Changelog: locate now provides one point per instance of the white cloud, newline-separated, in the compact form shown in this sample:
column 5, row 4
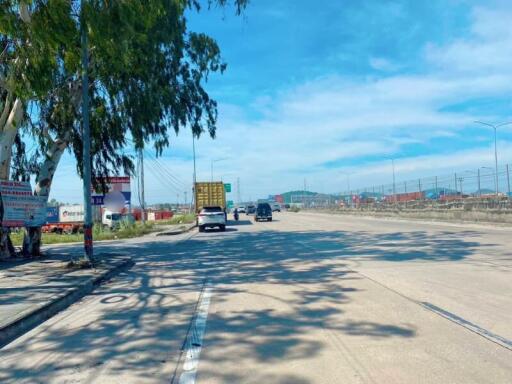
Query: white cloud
column 334, row 118
column 382, row 64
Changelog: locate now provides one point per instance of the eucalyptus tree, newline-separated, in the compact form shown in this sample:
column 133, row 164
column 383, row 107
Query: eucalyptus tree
column 147, row 75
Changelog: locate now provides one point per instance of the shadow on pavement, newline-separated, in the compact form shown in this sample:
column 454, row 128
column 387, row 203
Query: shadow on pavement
column 139, row 305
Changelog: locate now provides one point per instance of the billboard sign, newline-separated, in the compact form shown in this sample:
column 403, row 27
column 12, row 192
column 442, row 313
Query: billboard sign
column 20, row 207
column 71, row 213
column 114, row 184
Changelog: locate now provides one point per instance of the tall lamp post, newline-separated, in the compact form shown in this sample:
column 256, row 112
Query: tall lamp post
column 492, row 170
column 394, row 180
column 495, row 127
column 348, row 180
column 215, row 161
column 86, row 140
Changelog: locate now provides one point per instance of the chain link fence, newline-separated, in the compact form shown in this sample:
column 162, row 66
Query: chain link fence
column 478, row 189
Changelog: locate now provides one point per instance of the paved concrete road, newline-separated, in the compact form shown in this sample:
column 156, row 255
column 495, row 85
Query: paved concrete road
column 303, row 299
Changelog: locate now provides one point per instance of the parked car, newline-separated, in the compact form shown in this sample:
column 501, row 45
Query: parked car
column 276, row 207
column 211, row 217
column 250, row 209
column 263, row 212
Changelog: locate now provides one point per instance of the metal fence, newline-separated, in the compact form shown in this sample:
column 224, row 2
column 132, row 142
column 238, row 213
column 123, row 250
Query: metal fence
column 470, row 183
column 480, row 188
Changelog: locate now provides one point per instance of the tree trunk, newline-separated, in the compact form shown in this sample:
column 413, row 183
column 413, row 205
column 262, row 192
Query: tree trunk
column 6, row 248
column 32, row 242
column 32, row 236
column 10, row 120
column 7, row 135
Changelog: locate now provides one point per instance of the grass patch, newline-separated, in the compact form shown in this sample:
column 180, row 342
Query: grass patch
column 126, row 231
column 178, row 219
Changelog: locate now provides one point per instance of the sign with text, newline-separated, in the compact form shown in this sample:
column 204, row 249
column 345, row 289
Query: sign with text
column 20, row 207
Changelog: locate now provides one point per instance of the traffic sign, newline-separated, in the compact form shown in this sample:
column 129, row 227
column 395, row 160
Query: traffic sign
column 231, row 204
column 227, row 187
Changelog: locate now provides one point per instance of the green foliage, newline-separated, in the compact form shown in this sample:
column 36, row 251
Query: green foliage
column 178, row 219
column 294, row 208
column 99, row 233
column 147, row 73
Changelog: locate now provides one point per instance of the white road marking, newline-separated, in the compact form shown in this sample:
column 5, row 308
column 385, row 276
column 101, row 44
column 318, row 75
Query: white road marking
column 195, row 340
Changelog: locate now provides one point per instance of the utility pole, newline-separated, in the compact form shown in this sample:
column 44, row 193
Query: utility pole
column 194, row 175
column 495, row 127
column 455, row 178
column 238, row 194
column 143, row 201
column 185, row 193
column 479, row 186
column 508, row 181
column 394, row 184
column 304, row 194
column 86, row 139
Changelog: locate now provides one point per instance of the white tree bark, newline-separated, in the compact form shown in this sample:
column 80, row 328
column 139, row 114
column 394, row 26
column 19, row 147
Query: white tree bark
column 32, row 238
column 7, row 135
column 45, row 177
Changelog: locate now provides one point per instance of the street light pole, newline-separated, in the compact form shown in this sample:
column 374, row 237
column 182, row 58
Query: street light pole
column 214, row 161
column 495, row 127
column 394, row 184
column 194, row 175
column 86, row 140
column 348, row 179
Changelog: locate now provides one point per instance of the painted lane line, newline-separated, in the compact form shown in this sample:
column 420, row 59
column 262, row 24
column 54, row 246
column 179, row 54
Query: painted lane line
column 195, row 340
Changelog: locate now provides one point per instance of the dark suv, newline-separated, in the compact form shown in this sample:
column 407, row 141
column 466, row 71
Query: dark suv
column 263, row 212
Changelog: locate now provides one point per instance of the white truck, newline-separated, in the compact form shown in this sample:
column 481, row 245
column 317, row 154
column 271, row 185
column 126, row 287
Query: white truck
column 70, row 219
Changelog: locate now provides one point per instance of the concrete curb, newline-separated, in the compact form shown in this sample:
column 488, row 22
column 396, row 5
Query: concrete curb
column 398, row 219
column 28, row 320
column 176, row 232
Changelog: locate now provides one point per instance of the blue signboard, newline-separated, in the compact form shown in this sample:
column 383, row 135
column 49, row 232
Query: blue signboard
column 52, row 215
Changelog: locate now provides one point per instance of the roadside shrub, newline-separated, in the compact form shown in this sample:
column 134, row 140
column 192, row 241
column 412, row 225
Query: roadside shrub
column 294, row 209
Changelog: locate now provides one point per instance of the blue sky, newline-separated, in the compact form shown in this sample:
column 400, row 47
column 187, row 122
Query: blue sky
column 317, row 89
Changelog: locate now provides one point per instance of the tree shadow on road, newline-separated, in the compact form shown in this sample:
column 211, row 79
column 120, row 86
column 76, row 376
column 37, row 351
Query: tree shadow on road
column 143, row 315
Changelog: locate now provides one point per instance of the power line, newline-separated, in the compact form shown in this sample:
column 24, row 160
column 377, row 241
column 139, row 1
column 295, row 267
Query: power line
column 164, row 169
column 162, row 178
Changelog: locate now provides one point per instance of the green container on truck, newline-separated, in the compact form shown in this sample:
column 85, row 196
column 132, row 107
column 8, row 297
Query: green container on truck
column 209, row 194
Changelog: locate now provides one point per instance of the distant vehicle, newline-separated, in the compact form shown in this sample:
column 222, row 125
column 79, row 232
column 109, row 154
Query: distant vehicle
column 263, row 212
column 111, row 219
column 70, row 219
column 241, row 209
column 276, row 207
column 211, row 217
column 250, row 209
column 287, row 206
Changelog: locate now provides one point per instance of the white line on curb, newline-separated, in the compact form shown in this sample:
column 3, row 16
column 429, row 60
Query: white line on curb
column 195, row 340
